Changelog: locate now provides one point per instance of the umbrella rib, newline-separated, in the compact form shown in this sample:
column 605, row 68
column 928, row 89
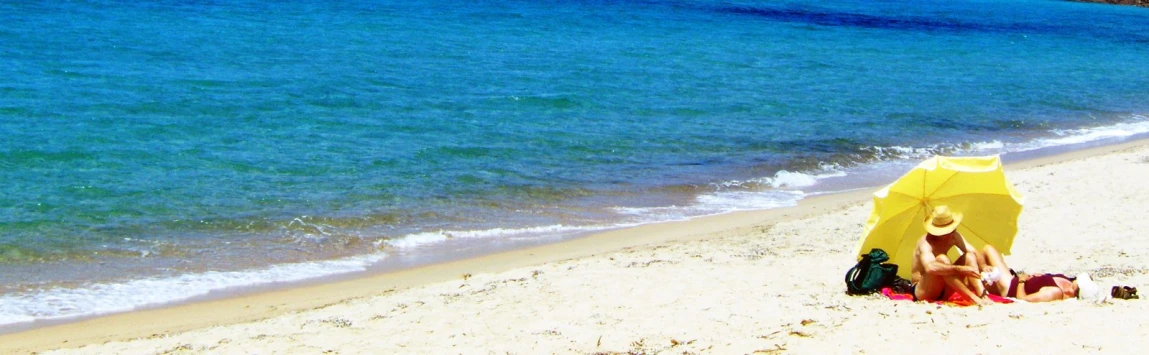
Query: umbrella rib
column 915, row 209
column 939, row 186
column 908, row 221
column 976, row 234
column 1005, row 194
column 909, row 196
column 948, row 200
column 979, row 236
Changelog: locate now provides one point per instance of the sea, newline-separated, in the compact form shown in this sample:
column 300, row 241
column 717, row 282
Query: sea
column 158, row 152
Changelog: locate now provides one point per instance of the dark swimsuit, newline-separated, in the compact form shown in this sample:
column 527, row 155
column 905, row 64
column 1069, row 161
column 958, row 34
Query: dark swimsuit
column 914, row 292
column 1035, row 283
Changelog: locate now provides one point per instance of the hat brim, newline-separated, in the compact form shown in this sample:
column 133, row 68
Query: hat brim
column 943, row 230
column 1087, row 289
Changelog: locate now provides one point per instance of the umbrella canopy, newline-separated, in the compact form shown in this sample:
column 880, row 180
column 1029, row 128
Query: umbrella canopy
column 974, row 186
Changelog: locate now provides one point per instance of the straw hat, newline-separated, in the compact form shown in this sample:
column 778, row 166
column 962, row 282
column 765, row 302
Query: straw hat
column 942, row 221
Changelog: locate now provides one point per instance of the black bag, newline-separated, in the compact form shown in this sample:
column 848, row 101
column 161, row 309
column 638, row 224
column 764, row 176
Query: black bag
column 871, row 274
column 901, row 285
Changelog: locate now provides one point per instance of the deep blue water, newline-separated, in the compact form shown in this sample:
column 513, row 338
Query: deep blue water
column 187, row 143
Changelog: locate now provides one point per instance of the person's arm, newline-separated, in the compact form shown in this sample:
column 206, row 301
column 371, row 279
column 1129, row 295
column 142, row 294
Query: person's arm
column 1045, row 294
column 968, row 251
column 931, row 266
column 971, row 258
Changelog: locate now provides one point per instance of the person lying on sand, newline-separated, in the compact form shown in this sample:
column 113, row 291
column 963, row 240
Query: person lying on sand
column 934, row 276
column 1032, row 288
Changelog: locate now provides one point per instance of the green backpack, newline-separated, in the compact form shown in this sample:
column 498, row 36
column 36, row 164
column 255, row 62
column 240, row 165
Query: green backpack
column 870, row 275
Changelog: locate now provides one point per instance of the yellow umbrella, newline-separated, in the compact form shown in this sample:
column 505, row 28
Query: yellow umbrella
column 975, row 186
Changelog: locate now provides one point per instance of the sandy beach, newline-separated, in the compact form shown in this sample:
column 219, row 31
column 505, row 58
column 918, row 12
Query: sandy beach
column 753, row 282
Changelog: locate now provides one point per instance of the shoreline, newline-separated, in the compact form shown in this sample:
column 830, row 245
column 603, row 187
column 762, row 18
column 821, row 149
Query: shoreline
column 159, row 322
column 267, row 304
column 46, row 305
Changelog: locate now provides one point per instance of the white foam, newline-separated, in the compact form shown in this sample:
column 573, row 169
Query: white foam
column 1062, row 137
column 56, row 303
column 419, row 240
column 501, row 232
column 748, row 200
column 789, row 187
column 901, row 152
column 732, row 195
column 1078, row 136
column 655, row 214
column 994, row 146
column 787, row 179
column 893, row 153
column 714, row 203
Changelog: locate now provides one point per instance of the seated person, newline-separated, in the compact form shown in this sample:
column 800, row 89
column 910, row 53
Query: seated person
column 934, row 276
column 1030, row 288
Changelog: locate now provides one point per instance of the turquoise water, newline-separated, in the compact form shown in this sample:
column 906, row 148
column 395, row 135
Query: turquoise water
column 193, row 147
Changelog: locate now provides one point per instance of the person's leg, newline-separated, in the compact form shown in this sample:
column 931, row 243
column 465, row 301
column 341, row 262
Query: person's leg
column 983, row 259
column 992, row 258
column 932, row 287
column 973, row 284
column 930, row 290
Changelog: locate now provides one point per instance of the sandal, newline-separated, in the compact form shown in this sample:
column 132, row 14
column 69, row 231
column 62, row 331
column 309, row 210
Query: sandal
column 1124, row 292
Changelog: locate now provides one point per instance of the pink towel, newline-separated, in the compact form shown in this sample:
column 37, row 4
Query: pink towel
column 896, row 296
column 956, row 298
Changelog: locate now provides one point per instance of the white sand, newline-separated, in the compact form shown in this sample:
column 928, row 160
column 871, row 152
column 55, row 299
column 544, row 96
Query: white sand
column 757, row 287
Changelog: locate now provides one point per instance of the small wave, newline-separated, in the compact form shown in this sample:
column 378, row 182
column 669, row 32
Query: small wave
column 419, row 240
column 786, row 188
column 787, row 179
column 57, row 303
column 665, row 213
column 1138, row 124
column 1078, row 136
column 987, row 146
column 783, row 189
column 714, row 203
column 900, row 152
column 877, row 154
column 747, row 200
